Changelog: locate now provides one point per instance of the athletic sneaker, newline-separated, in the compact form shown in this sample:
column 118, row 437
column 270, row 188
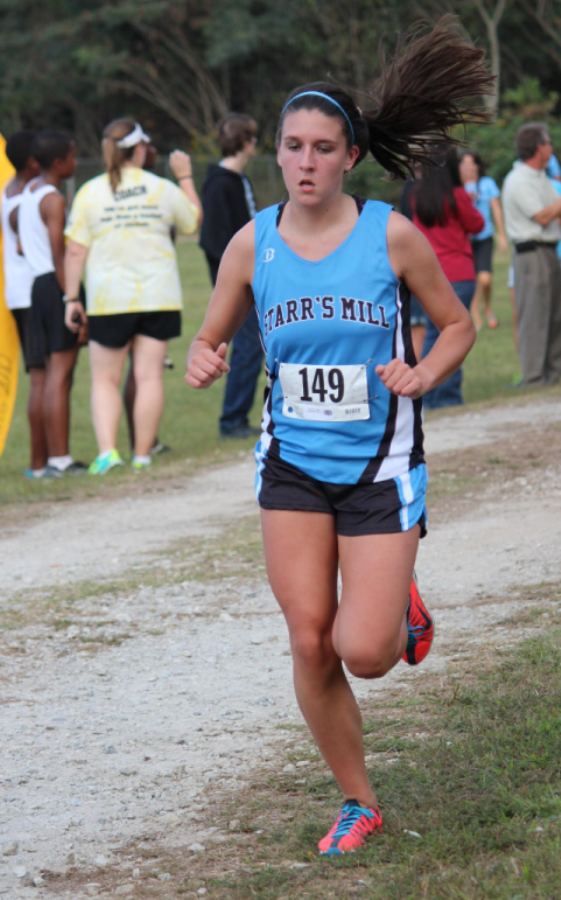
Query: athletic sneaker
column 46, row 472
column 159, row 448
column 75, row 468
column 420, row 628
column 139, row 463
column 105, row 462
column 240, row 431
column 350, row 829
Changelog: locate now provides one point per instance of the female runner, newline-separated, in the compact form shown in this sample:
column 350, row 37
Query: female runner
column 340, row 468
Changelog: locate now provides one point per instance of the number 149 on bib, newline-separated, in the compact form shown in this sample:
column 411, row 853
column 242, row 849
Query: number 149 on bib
column 324, row 393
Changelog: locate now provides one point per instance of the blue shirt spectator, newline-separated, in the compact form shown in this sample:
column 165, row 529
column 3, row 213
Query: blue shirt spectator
column 553, row 168
column 481, row 193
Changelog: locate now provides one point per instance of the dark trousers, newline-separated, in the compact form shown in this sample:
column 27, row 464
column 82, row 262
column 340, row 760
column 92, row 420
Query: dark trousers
column 537, row 285
column 246, row 360
column 449, row 393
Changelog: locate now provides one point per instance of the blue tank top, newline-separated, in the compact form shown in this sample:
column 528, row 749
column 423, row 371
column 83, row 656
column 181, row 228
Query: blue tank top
column 325, row 325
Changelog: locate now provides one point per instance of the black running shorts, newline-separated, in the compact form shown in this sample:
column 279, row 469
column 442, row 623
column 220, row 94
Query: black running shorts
column 483, row 255
column 381, row 507
column 47, row 332
column 119, row 329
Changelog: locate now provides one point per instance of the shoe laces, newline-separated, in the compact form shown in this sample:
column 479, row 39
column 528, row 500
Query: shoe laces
column 353, row 816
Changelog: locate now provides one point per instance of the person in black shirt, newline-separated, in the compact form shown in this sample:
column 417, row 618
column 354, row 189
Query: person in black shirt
column 228, row 204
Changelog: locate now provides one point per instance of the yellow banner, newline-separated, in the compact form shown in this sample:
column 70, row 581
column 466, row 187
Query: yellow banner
column 9, row 343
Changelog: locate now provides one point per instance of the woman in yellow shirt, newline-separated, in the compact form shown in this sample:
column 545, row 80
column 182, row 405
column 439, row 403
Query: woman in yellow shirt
column 119, row 232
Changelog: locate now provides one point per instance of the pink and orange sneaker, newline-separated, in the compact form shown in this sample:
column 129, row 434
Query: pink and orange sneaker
column 350, row 829
column 420, row 628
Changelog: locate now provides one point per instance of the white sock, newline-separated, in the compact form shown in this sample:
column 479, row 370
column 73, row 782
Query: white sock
column 141, row 460
column 60, row 462
column 37, row 473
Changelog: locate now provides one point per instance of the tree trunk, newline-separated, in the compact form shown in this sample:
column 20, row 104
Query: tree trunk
column 491, row 21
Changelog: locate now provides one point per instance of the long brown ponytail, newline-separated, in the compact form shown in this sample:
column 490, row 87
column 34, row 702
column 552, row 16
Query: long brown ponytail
column 428, row 88
column 433, row 83
column 113, row 156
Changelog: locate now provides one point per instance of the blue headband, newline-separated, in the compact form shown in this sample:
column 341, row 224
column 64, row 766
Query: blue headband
column 329, row 100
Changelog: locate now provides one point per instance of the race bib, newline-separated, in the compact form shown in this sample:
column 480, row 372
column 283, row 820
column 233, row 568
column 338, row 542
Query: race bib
column 324, row 393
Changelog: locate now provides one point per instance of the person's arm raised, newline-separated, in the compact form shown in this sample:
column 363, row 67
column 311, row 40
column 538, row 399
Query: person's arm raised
column 182, row 167
column 229, row 305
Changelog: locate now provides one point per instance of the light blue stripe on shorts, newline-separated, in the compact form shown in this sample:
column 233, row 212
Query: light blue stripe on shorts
column 412, row 490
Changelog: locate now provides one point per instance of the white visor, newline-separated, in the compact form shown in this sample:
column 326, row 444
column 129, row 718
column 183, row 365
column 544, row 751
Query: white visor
column 134, row 137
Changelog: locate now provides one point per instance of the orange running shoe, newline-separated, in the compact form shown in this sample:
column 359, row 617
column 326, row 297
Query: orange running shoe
column 420, row 628
column 350, row 829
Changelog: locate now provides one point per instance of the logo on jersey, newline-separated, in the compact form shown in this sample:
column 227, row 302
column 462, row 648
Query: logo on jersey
column 345, row 309
column 269, row 254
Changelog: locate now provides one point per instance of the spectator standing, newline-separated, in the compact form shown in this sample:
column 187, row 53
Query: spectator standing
column 129, row 389
column 447, row 217
column 51, row 347
column 486, row 197
column 119, row 231
column 18, row 280
column 532, row 213
column 228, row 204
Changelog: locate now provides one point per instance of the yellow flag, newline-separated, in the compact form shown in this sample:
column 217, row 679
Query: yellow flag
column 9, row 343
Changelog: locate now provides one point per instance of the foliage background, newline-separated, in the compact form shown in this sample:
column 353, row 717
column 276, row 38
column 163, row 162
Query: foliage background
column 178, row 66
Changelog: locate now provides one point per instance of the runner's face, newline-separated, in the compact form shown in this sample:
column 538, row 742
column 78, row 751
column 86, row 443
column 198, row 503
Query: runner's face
column 313, row 154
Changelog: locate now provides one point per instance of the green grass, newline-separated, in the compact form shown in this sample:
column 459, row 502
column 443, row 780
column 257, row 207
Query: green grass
column 468, row 769
column 492, row 366
column 189, row 425
column 190, row 418
column 474, row 768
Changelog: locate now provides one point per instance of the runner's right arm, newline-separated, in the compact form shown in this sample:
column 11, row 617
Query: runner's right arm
column 229, row 305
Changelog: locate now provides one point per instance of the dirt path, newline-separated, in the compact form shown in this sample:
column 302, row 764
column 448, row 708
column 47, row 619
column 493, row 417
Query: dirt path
column 145, row 660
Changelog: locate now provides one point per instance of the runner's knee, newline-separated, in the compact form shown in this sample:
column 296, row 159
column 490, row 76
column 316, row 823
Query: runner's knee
column 313, row 648
column 369, row 661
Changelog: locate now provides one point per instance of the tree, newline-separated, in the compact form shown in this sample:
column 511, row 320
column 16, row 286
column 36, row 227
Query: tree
column 178, row 65
column 491, row 18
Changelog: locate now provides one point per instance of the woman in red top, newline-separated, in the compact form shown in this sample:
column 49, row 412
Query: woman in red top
column 445, row 214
